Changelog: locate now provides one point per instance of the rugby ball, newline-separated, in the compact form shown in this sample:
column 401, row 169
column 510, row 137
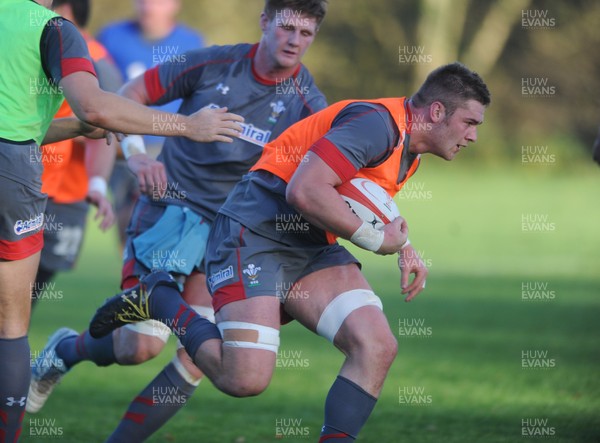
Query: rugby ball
column 369, row 201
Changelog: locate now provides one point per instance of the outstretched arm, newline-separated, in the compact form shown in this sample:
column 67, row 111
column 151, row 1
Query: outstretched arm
column 117, row 114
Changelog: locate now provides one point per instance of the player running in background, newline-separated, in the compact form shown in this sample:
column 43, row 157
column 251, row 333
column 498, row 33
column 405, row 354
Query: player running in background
column 153, row 37
column 48, row 58
column 266, row 84
column 70, row 165
column 249, row 259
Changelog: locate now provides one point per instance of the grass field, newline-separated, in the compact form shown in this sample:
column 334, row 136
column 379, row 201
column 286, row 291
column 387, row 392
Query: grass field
column 478, row 361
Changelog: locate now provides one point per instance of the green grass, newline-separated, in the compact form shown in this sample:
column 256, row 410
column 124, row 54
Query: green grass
column 468, row 364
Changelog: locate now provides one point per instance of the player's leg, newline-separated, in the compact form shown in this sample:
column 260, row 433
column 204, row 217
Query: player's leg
column 132, row 345
column 341, row 307
column 42, row 282
column 21, row 220
column 169, row 391
column 63, row 237
column 16, row 280
column 241, row 363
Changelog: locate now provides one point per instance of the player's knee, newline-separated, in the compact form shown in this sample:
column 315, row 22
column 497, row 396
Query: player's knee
column 189, row 368
column 248, row 385
column 369, row 341
column 255, row 345
column 135, row 349
column 382, row 347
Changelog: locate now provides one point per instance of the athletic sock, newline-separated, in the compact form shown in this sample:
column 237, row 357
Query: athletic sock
column 167, row 306
column 347, row 409
column 15, row 374
column 154, row 406
column 84, row 347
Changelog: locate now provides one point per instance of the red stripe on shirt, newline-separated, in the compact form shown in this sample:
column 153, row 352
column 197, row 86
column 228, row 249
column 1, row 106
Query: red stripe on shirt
column 23, row 248
column 330, row 154
column 70, row 65
column 74, row 64
column 153, row 85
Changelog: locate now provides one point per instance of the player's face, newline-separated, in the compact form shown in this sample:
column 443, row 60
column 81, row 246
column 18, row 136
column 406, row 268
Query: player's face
column 287, row 37
column 156, row 10
column 453, row 133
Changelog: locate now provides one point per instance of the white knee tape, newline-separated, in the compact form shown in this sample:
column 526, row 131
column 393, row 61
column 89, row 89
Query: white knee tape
column 153, row 328
column 204, row 311
column 249, row 335
column 340, row 307
column 185, row 374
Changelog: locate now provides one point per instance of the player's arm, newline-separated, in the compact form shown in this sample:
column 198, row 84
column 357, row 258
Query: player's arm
column 99, row 162
column 66, row 62
column 311, row 190
column 159, row 85
column 71, row 127
column 117, row 114
column 357, row 137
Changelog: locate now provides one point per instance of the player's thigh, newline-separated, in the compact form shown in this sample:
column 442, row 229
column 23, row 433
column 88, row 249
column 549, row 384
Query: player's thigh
column 22, row 205
column 16, row 280
column 311, row 294
column 339, row 305
column 244, row 271
column 195, row 292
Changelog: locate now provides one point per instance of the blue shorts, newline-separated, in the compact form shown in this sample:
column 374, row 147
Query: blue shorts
column 171, row 238
column 241, row 263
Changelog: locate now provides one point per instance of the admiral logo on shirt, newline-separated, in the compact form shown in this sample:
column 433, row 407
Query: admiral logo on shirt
column 251, row 133
column 33, row 224
column 220, row 276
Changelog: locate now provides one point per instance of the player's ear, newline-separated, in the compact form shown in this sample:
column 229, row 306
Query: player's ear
column 264, row 21
column 437, row 112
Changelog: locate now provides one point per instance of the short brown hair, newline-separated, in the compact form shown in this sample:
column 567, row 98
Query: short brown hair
column 452, row 85
column 312, row 8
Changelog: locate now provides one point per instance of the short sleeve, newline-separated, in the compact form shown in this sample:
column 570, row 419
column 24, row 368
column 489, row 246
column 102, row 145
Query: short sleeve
column 177, row 78
column 361, row 135
column 63, row 50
